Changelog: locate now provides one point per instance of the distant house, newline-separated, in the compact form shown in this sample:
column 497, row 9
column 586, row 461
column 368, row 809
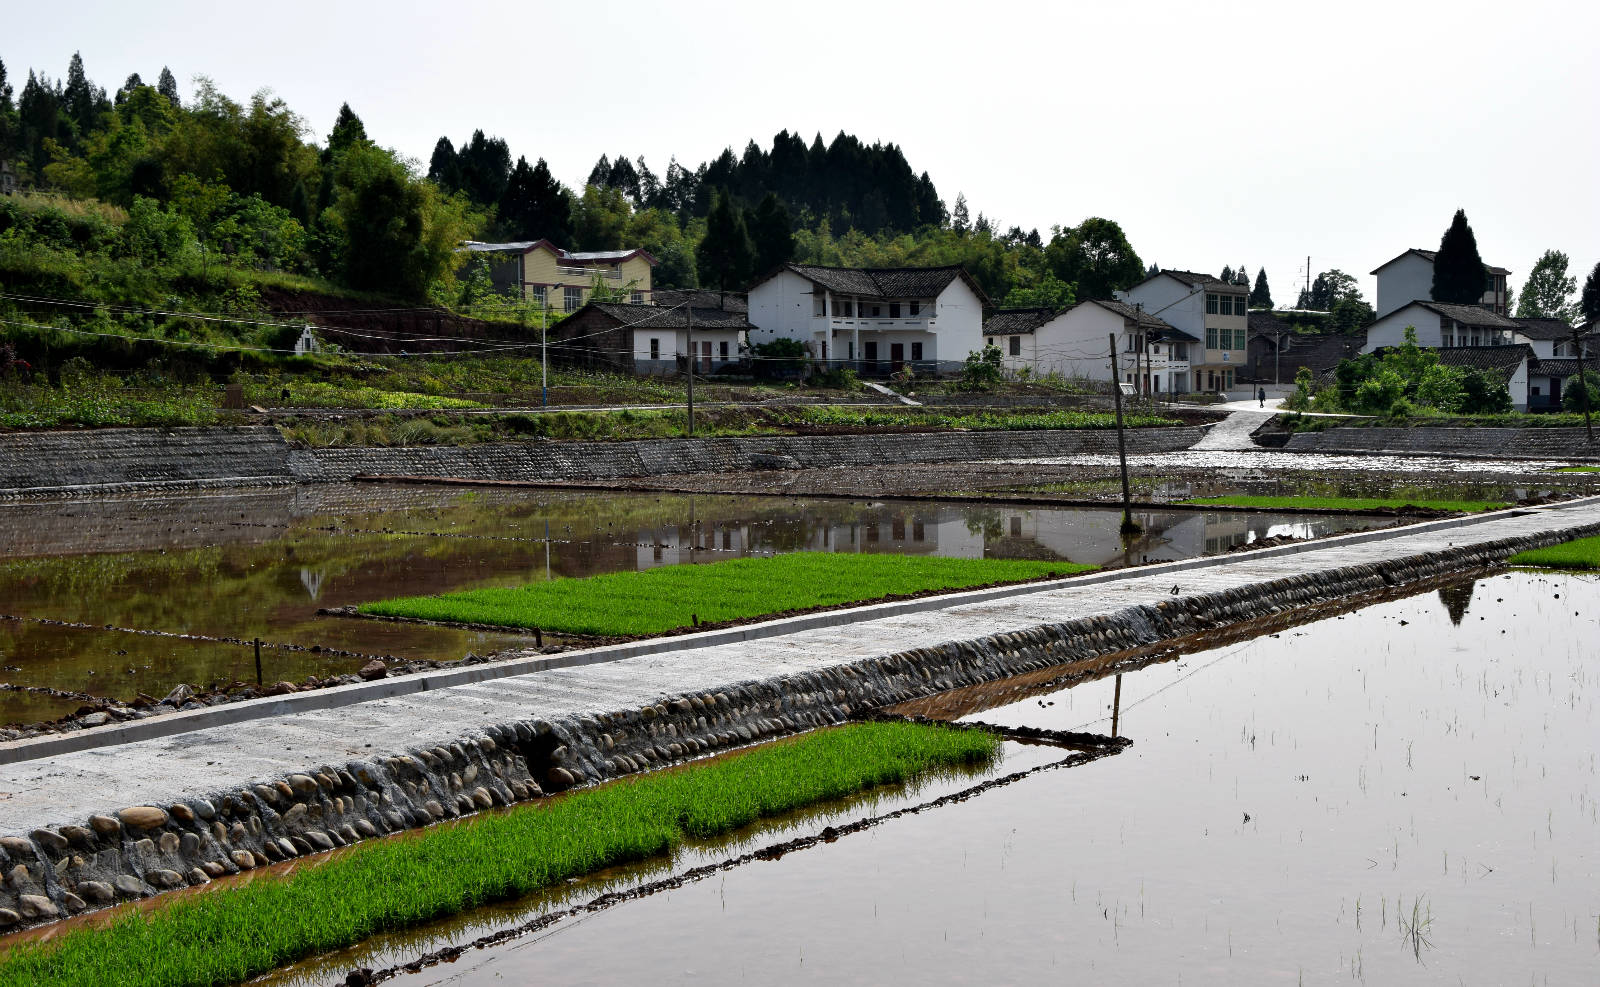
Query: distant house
column 1409, row 277
column 562, row 280
column 650, row 339
column 1512, row 365
column 1551, row 341
column 728, row 301
column 1208, row 309
column 1152, row 354
column 1276, row 352
column 1439, row 324
column 874, row 319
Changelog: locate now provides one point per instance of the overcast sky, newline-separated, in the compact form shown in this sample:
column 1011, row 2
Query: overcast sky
column 1215, row 133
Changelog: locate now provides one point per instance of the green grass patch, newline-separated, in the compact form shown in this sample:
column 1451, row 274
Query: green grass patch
column 1291, row 503
column 664, row 599
column 1582, row 553
column 1576, row 469
column 232, row 934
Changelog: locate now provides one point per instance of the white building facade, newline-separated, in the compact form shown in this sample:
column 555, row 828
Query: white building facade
column 1152, row 354
column 1409, row 277
column 1209, row 310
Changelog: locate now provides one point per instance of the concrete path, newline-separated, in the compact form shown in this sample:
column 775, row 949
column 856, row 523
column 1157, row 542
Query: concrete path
column 1234, row 431
column 67, row 787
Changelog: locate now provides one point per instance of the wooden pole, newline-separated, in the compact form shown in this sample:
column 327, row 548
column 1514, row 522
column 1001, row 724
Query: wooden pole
column 1128, row 526
column 258, row 661
column 688, row 332
column 1116, row 706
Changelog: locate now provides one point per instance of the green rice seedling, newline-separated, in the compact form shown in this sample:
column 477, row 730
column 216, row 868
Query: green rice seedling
column 232, row 934
column 1581, row 553
column 670, row 597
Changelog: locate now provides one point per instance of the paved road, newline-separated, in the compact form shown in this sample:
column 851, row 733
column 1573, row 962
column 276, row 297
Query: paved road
column 68, row 787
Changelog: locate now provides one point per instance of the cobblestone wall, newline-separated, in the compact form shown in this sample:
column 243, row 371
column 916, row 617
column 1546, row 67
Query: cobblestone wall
column 1488, row 443
column 609, row 460
column 142, row 458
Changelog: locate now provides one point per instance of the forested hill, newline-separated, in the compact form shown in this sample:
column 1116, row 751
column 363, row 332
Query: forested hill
column 156, row 187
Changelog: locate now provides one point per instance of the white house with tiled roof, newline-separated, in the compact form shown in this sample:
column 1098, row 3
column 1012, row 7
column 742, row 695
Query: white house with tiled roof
column 875, row 319
column 1212, row 311
column 1409, row 277
column 1152, row 354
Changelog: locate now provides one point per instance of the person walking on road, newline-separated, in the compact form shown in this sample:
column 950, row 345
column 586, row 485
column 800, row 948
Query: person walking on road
column 1261, row 395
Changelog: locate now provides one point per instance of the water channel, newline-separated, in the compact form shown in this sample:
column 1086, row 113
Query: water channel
column 122, row 596
column 1403, row 793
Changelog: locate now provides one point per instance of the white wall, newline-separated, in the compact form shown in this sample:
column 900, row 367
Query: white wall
column 781, row 307
column 1157, row 294
column 958, row 323
column 1407, row 280
column 1390, row 330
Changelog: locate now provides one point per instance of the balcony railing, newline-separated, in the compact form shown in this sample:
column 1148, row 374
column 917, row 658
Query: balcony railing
column 589, row 272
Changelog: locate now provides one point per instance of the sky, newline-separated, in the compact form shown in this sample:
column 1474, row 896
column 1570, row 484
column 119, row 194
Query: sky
column 1237, row 133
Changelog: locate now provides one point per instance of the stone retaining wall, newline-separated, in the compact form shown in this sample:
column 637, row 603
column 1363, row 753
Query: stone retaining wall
column 556, row 461
column 111, row 459
column 1487, row 443
column 136, row 851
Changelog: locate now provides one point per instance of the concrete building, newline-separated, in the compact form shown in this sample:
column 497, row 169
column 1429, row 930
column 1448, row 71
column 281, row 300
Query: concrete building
column 1153, row 355
column 1209, row 310
column 1409, row 277
column 563, row 280
column 876, row 320
column 650, row 339
column 1557, row 359
column 1441, row 325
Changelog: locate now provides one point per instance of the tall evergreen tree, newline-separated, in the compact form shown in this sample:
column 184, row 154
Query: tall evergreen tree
column 167, row 86
column 535, row 206
column 624, row 178
column 960, row 219
column 1547, row 294
column 80, row 98
column 1589, row 301
column 1458, row 272
column 8, row 117
column 129, row 85
column 725, row 255
column 649, row 185
column 444, row 168
column 347, row 130
column 1227, row 274
column 1261, row 295
column 600, row 172
column 772, row 234
column 485, row 168
column 40, row 117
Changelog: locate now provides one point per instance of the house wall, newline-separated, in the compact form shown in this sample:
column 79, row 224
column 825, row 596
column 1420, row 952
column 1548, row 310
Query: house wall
column 595, row 340
column 674, row 343
column 780, row 307
column 1390, row 330
column 541, row 266
column 1519, row 387
column 783, row 306
column 1406, row 280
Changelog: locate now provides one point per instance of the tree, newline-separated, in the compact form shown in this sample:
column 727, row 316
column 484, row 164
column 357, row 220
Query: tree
column 485, row 168
column 725, row 255
column 8, row 117
column 600, row 218
column 1458, row 272
column 1096, row 256
column 1227, row 274
column 1572, row 397
column 167, row 86
column 535, row 206
column 1261, row 295
column 129, row 85
column 960, row 219
column 1547, row 294
column 80, row 98
column 399, row 232
column 600, row 172
column 771, row 234
column 444, row 168
column 347, row 130
column 1589, row 303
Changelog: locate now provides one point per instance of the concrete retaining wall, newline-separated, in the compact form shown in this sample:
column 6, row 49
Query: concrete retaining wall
column 134, row 851
column 609, row 460
column 1488, row 443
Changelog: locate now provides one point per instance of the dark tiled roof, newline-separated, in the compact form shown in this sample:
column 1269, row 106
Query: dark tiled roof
column 1190, row 278
column 657, row 317
column 1142, row 319
column 1429, row 255
column 1469, row 315
column 730, row 301
column 1502, row 360
column 1544, row 328
column 1563, row 368
column 1016, row 321
column 884, row 282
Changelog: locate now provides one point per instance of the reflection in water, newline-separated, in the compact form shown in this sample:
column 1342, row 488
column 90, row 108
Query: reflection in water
column 312, row 581
column 1456, row 599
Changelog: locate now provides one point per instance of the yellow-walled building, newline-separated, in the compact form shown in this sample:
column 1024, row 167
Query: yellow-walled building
column 542, row 272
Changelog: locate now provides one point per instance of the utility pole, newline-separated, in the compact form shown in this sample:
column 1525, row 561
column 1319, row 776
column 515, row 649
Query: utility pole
column 688, row 332
column 1583, row 385
column 1128, row 527
column 544, row 353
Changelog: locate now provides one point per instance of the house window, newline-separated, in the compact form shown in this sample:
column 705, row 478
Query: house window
column 1211, row 304
column 655, row 349
column 818, row 302
column 722, row 350
column 988, row 340
column 849, row 308
column 1227, row 304
column 1227, row 380
column 915, row 308
column 572, row 298
column 1211, row 337
column 1016, row 345
column 638, row 298
column 1241, row 305
column 1180, row 351
column 894, row 310
column 916, row 349
column 876, row 310
column 538, row 294
column 1238, row 339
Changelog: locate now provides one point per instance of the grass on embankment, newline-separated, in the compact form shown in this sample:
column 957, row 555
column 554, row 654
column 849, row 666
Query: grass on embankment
column 1576, row 469
column 1292, row 503
column 670, row 597
column 1582, row 553
column 229, row 935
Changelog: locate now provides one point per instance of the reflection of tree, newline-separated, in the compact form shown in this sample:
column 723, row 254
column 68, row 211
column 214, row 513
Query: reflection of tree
column 986, row 523
column 1456, row 599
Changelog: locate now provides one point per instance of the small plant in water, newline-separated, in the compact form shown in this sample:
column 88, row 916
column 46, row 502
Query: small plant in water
column 1414, row 927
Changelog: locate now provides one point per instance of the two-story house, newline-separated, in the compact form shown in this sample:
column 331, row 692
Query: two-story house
column 1211, row 310
column 1152, row 354
column 1439, row 324
column 1558, row 359
column 563, row 280
column 876, row 320
column 1409, row 277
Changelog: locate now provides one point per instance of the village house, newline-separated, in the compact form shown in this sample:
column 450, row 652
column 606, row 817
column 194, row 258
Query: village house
column 1557, row 359
column 1152, row 354
column 875, row 320
column 651, row 339
column 1276, row 352
column 563, row 280
column 1513, row 365
column 1409, row 277
column 1440, row 324
column 1212, row 311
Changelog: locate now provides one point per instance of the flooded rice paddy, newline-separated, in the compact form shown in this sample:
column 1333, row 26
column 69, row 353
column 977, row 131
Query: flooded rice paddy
column 1404, row 793
column 116, row 597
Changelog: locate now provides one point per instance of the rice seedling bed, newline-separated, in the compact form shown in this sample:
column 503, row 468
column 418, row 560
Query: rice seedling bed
column 659, row 600
column 1292, row 503
column 229, row 935
column 1581, row 553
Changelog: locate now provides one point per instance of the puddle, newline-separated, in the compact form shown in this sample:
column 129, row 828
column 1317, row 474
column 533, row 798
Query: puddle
column 1405, row 793
column 262, row 564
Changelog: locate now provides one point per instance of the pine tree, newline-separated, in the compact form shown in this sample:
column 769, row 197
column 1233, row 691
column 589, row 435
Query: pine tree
column 1458, row 271
column 600, row 172
column 960, row 219
column 649, row 185
column 347, row 130
column 128, row 86
column 167, row 86
column 1589, row 302
column 485, row 168
column 79, row 96
column 771, row 234
column 624, row 178
column 550, row 216
column 1261, row 295
column 8, row 117
column 725, row 255
column 444, row 167
column 1227, row 274
column 1242, row 276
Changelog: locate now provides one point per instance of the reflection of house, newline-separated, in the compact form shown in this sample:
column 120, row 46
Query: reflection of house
column 1206, row 308
column 876, row 319
column 1151, row 353
column 649, row 339
column 542, row 272
column 1409, row 278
